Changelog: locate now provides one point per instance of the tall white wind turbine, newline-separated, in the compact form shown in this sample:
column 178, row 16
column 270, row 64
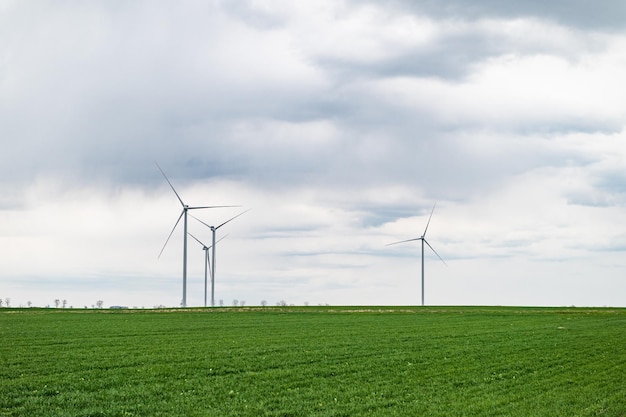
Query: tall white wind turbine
column 207, row 263
column 182, row 214
column 423, row 239
column 213, row 230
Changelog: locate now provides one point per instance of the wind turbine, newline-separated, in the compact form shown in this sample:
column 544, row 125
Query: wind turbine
column 423, row 239
column 182, row 214
column 213, row 230
column 206, row 248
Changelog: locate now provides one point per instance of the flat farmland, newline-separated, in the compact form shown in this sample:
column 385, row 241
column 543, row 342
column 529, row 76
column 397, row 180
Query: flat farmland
column 314, row 361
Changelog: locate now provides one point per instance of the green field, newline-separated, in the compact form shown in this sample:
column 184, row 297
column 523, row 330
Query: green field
column 311, row 361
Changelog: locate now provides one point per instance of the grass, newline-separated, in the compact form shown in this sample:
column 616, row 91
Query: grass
column 461, row 361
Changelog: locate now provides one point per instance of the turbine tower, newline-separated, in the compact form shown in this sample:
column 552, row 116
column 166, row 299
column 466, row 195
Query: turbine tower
column 182, row 214
column 206, row 248
column 423, row 239
column 213, row 230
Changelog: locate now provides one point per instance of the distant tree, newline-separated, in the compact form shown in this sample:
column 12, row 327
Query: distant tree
column 99, row 303
column 7, row 302
column 57, row 302
column 235, row 302
column 281, row 303
column 242, row 303
column 264, row 303
column 29, row 304
column 306, row 303
column 221, row 302
column 64, row 303
column 0, row 302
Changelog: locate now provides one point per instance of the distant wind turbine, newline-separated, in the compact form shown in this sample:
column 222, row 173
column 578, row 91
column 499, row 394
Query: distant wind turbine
column 182, row 214
column 423, row 239
column 213, row 230
column 206, row 248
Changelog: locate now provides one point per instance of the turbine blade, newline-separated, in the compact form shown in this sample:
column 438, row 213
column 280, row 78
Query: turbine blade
column 218, row 240
column 403, row 241
column 168, row 181
column 196, row 239
column 201, row 221
column 232, row 218
column 172, row 232
column 206, row 207
column 431, row 248
column 431, row 215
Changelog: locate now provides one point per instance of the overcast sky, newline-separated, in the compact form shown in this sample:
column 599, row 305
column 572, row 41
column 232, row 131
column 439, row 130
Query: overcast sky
column 338, row 124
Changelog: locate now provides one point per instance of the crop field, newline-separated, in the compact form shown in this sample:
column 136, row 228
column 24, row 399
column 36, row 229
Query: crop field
column 314, row 361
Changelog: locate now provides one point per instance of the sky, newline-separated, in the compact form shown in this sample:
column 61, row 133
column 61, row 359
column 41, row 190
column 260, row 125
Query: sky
column 338, row 125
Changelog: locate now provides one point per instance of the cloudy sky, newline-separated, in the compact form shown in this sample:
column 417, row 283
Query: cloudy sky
column 338, row 124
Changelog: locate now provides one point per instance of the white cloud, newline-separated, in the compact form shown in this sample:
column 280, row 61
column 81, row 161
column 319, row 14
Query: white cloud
column 536, row 92
column 339, row 124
